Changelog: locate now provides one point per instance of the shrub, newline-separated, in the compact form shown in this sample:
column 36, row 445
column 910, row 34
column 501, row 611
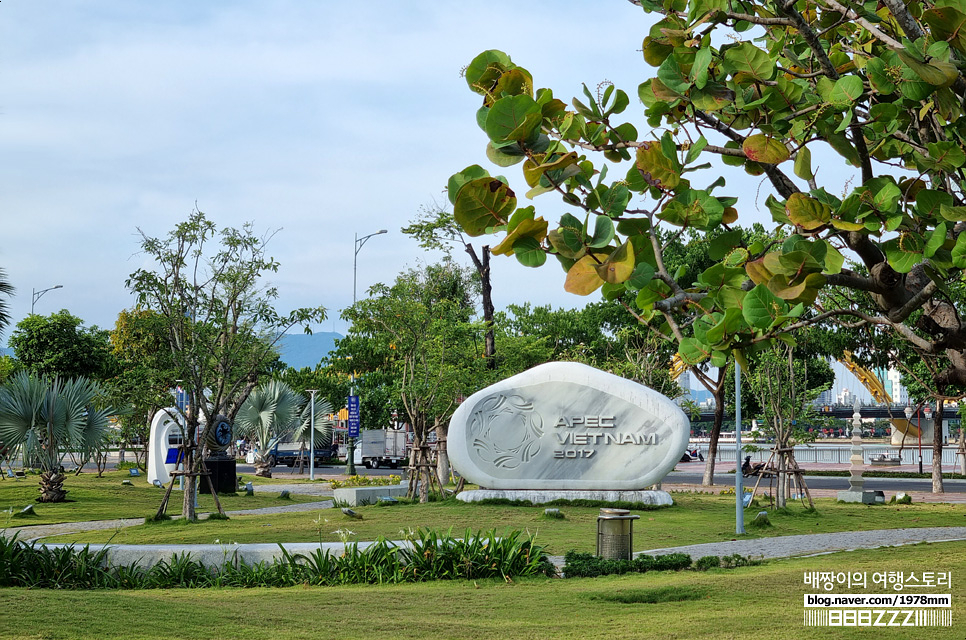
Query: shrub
column 707, row 562
column 364, row 481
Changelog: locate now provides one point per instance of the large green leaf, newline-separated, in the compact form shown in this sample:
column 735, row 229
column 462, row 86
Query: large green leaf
column 693, row 352
column 485, row 70
column 457, row 180
column 513, row 118
column 881, row 80
column 904, row 252
column 603, row 232
column 656, row 168
column 749, row 59
column 482, row 204
column 535, row 229
column 765, row 149
column 529, row 252
column 846, row 91
column 807, row 212
column 762, row 307
column 947, row 23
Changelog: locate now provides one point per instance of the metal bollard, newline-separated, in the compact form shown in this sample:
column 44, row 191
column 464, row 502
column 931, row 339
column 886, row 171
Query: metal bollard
column 615, row 534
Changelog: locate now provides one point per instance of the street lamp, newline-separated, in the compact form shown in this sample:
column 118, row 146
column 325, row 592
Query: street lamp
column 312, row 434
column 355, row 258
column 37, row 294
column 359, row 242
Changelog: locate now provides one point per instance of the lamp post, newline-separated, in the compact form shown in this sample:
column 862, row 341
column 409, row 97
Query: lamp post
column 359, row 242
column 312, row 434
column 739, row 485
column 37, row 295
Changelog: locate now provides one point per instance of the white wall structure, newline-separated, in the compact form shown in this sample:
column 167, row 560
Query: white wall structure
column 165, row 433
column 567, row 426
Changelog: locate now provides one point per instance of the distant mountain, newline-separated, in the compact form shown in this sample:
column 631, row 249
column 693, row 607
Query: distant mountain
column 300, row 350
column 297, row 350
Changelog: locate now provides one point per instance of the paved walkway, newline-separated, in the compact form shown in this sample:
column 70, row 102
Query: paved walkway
column 773, row 547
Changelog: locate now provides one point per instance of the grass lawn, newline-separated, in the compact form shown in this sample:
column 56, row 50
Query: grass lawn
column 753, row 603
column 105, row 498
column 695, row 518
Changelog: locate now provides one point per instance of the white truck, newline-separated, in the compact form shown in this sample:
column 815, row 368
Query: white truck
column 381, row 448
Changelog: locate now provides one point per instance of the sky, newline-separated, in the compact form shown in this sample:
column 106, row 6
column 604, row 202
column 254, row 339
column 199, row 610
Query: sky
column 319, row 120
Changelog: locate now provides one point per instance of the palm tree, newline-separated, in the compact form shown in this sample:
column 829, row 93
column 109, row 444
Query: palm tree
column 49, row 417
column 270, row 411
column 6, row 289
column 323, row 425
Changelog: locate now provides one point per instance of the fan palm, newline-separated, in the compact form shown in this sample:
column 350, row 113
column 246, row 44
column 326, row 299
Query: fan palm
column 270, row 411
column 6, row 289
column 323, row 425
column 49, row 417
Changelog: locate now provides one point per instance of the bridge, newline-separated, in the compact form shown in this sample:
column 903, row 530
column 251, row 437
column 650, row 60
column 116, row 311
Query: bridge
column 895, row 411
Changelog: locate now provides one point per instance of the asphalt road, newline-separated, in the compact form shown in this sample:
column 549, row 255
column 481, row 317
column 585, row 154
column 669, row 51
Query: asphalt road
column 692, row 475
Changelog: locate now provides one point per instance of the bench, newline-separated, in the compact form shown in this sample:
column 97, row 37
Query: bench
column 885, row 459
column 357, row 496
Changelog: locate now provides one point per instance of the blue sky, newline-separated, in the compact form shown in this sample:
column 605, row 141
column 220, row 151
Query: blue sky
column 321, row 119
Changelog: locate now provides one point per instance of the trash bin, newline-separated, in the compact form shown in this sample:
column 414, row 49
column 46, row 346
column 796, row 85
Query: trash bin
column 615, row 534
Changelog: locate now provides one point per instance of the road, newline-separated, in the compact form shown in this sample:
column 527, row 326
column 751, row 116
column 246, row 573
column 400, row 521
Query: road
column 691, row 473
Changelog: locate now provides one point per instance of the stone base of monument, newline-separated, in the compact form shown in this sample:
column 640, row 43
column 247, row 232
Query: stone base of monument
column 865, row 497
column 654, row 498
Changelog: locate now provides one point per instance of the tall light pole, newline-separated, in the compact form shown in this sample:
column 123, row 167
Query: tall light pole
column 37, row 295
column 739, row 485
column 359, row 242
column 312, row 434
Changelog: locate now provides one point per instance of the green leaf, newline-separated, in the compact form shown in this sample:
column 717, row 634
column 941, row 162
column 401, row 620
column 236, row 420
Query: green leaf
column 765, row 149
column 762, row 307
column 929, row 202
column 482, row 204
column 672, row 77
column 880, row 79
column 846, row 91
column 505, row 156
column 457, row 180
column 749, row 59
column 603, row 232
column 807, row 212
column 936, row 239
column 485, row 69
column 803, row 164
column 656, row 168
column 722, row 245
column 529, row 252
column 642, row 275
column 699, row 69
column 953, row 214
column 904, row 252
column 947, row 23
column 693, row 352
column 513, row 118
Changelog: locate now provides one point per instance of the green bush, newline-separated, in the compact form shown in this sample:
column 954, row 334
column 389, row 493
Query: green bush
column 431, row 556
column 707, row 562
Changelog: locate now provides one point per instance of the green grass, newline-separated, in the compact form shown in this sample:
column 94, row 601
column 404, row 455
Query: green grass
column 93, row 498
column 749, row 603
column 694, row 518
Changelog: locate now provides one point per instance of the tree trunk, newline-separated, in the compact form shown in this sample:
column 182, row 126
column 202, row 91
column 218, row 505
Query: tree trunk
column 442, row 461
column 190, row 486
column 781, row 494
column 52, row 486
column 708, row 479
column 937, row 449
column 483, row 268
column 121, row 452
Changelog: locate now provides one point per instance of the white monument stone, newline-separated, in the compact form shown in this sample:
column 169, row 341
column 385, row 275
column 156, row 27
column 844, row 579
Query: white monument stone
column 565, row 426
column 163, row 426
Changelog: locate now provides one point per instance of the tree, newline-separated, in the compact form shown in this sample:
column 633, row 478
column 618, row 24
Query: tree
column 875, row 91
column 422, row 324
column 220, row 324
column 780, row 384
column 60, row 345
column 6, row 290
column 49, row 417
column 274, row 410
column 145, row 371
column 436, row 228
